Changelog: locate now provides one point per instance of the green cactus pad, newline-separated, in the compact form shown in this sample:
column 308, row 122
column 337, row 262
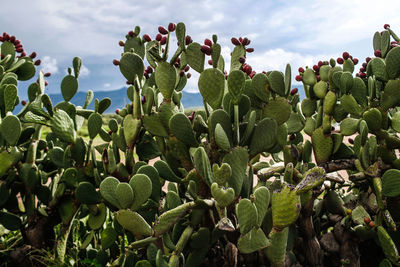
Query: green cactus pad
column 131, row 66
column 320, row 89
column 309, row 77
column 350, row 105
column 152, row 123
column 133, row 222
column 211, row 85
column 141, row 186
column 346, row 82
column 220, row 116
column 136, row 44
column 103, row 105
column 276, row 81
column 165, row 79
column 238, row 51
column 359, row 214
column 236, row 80
column 107, row 190
column 10, row 97
column 10, row 221
column 277, row 250
column 69, row 87
column 124, row 194
column 285, row 207
column 246, row 213
column 391, row 94
column 312, row 178
column 181, row 128
column 278, row 109
column 349, row 126
column 322, row 146
column 265, row 133
column 253, row 241
column 391, row 183
column 237, row 159
column 333, row 203
column 200, row 238
column 260, row 86
column 97, row 221
column 308, row 107
column 94, row 124
column 108, row 237
column 222, row 174
column 224, row 197
column 63, row 126
column 173, row 200
column 262, row 198
column 329, row 103
column 395, row 122
column 393, row 63
column 195, row 58
column 359, row 91
column 166, row 172
column 221, row 138
column 86, row 194
column 154, row 176
column 378, row 68
column 169, row 218
column 202, row 165
column 388, row 246
column 10, row 129
column 131, row 129
column 77, row 64
column 181, row 34
column 373, row 118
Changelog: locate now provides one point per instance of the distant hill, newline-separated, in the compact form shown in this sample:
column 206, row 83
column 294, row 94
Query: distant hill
column 119, row 99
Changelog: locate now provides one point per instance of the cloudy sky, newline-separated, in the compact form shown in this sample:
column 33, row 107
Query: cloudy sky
column 296, row 32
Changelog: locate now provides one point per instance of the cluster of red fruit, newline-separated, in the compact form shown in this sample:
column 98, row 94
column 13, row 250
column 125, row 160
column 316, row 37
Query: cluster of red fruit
column 362, row 73
column 242, row 41
column 18, row 47
column 206, row 48
column 369, row 222
column 316, row 67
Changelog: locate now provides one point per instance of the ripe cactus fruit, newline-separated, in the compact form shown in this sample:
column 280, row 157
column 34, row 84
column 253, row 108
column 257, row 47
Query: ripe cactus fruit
column 235, row 41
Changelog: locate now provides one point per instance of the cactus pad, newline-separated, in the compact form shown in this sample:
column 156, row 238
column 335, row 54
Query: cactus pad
column 69, row 87
column 141, row 187
column 165, row 79
column 211, row 85
column 285, row 207
column 131, row 66
column 10, row 129
column 246, row 213
column 224, row 197
column 86, row 193
column 253, row 241
column 133, row 222
column 262, row 197
column 236, row 80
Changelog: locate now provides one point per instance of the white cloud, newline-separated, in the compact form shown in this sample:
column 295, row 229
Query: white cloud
column 49, row 64
column 84, row 71
column 107, row 85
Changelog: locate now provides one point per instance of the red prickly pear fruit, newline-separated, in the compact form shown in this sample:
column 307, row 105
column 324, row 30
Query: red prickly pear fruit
column 146, row 75
column 235, row 41
column 299, row 78
column 206, row 50
column 6, row 37
column 364, row 65
column 23, row 102
column 345, row 55
column 37, row 62
column 158, row 37
column 47, row 74
column 386, row 26
column 109, row 132
column 320, row 63
column 171, row 27
column 363, row 75
column 18, row 46
column 176, row 64
column 332, row 128
column 351, row 57
column 17, row 42
column 355, row 61
column 147, row 38
column 2, row 56
column 162, row 30
column 46, row 83
column 357, row 74
column 23, row 54
column 12, row 39
column 188, row 39
column 187, row 68
column 368, row 59
column 116, row 62
column 351, row 141
column 294, row 91
column 117, row 110
column 315, row 68
column 245, row 41
column 143, row 99
column 131, row 33
column 371, row 224
column 252, row 74
column 241, row 40
column 292, row 137
column 378, row 53
column 208, row 42
column 189, row 75
column 226, row 76
column 301, row 70
column 121, row 43
column 209, row 62
column 249, row 50
column 149, row 69
column 33, row 55
column 367, row 220
column 318, row 78
column 46, row 149
column 339, row 60
column 163, row 40
column 19, row 50
column 242, row 60
column 362, row 69
column 181, row 73
column 162, row 49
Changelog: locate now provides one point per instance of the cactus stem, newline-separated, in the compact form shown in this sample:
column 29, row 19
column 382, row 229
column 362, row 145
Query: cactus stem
column 165, row 55
column 236, row 114
column 142, row 243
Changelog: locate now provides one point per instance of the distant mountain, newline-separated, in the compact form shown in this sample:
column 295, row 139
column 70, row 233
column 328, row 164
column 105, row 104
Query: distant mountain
column 119, row 99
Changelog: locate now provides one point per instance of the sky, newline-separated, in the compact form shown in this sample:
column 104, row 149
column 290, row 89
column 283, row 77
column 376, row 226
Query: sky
column 297, row 32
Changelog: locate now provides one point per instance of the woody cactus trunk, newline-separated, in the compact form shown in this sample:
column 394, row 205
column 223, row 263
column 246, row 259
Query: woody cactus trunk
column 237, row 183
